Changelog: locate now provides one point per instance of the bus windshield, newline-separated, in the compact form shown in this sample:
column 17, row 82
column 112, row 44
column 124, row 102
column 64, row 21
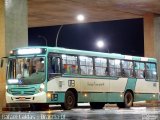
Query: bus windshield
column 25, row 71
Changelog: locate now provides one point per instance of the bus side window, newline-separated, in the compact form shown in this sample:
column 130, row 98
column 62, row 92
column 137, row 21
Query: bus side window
column 139, row 69
column 50, row 66
column 86, row 65
column 114, row 67
column 101, row 68
column 70, row 64
column 147, row 72
column 151, row 72
column 111, row 68
column 65, row 68
column 54, row 66
column 127, row 68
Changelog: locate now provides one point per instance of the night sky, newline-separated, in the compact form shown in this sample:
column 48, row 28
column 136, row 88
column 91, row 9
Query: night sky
column 121, row 36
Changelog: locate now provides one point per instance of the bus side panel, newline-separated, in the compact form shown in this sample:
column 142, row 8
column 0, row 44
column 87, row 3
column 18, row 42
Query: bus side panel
column 93, row 89
column 117, row 88
column 111, row 91
column 144, row 86
column 146, row 90
column 118, row 85
column 58, row 86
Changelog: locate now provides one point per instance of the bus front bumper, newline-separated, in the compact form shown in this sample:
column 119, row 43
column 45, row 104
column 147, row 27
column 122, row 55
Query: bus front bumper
column 36, row 98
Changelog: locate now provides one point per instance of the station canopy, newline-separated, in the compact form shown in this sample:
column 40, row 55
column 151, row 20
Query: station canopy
column 58, row 12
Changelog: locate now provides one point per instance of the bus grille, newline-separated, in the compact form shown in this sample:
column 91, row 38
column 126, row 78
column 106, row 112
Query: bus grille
column 15, row 92
column 23, row 91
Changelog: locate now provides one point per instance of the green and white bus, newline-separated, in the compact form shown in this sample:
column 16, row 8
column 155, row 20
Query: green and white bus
column 40, row 76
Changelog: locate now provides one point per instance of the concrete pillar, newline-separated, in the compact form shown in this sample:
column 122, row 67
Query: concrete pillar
column 152, row 37
column 13, row 32
column 2, row 52
column 157, row 40
column 149, row 48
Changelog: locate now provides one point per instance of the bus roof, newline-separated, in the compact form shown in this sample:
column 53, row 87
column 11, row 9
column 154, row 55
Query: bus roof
column 92, row 53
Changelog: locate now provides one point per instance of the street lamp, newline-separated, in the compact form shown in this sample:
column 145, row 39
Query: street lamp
column 80, row 18
column 44, row 38
column 100, row 44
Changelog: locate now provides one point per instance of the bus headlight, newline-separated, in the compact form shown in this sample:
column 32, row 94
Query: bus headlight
column 6, row 87
column 49, row 95
column 42, row 87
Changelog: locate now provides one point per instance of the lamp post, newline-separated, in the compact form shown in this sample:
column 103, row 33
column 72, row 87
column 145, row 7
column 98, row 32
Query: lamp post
column 58, row 34
column 80, row 18
column 43, row 37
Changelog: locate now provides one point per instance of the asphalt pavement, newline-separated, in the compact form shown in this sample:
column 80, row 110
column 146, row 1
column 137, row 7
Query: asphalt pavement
column 83, row 112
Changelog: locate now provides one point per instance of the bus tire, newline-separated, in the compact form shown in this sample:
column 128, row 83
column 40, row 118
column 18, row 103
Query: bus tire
column 128, row 100
column 97, row 105
column 70, row 101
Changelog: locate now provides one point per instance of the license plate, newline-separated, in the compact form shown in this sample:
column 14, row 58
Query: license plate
column 22, row 98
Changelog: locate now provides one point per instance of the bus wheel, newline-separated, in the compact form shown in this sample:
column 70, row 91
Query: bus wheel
column 70, row 101
column 97, row 105
column 128, row 100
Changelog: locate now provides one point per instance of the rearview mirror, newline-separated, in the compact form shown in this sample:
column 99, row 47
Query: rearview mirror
column 1, row 62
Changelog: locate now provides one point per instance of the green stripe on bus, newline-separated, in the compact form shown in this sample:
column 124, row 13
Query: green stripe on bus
column 100, row 97
column 145, row 96
column 90, row 97
column 109, row 97
column 131, row 84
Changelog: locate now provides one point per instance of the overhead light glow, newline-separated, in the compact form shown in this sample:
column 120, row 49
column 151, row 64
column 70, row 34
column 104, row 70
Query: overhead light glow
column 80, row 17
column 13, row 81
column 29, row 51
column 100, row 44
